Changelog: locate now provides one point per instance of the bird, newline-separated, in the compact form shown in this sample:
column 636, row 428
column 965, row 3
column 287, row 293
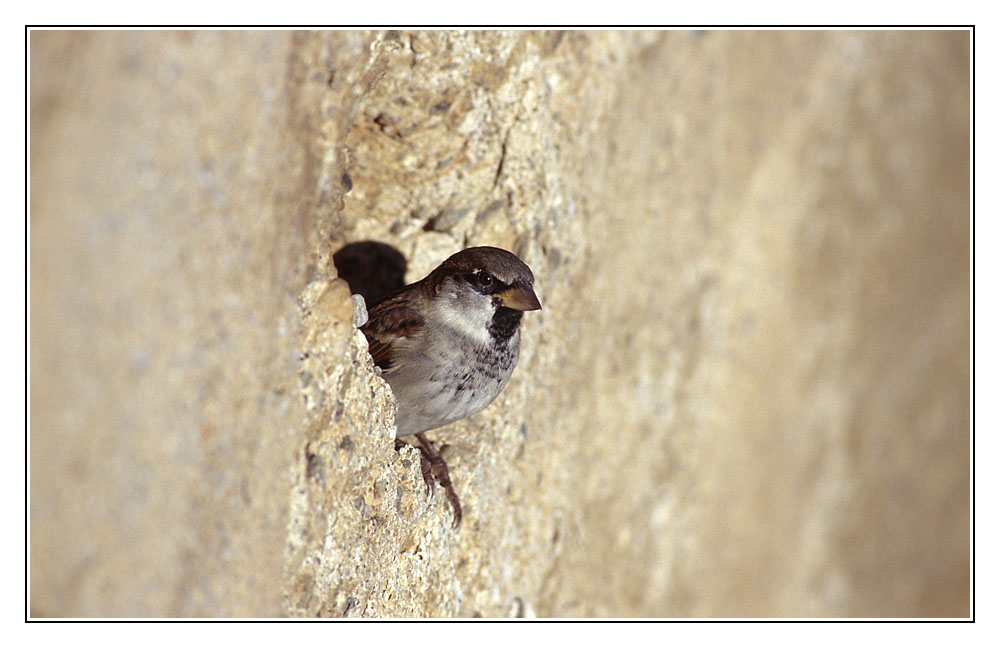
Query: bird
column 448, row 344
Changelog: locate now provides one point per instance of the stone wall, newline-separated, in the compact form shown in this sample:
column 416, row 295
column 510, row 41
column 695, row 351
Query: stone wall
column 747, row 393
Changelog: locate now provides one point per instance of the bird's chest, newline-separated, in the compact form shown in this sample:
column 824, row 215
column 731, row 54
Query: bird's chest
column 473, row 374
column 447, row 378
column 490, row 370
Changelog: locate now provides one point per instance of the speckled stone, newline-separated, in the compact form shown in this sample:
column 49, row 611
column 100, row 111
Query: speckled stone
column 747, row 393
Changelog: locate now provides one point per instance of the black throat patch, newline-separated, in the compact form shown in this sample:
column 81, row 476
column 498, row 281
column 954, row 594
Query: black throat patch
column 504, row 323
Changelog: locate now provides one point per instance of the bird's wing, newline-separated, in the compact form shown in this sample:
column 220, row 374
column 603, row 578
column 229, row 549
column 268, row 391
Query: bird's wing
column 389, row 321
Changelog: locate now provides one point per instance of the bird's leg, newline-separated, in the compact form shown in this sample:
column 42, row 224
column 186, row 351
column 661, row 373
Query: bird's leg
column 432, row 465
column 425, row 463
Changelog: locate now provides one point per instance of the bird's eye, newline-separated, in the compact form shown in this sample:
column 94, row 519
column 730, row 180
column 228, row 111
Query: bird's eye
column 484, row 278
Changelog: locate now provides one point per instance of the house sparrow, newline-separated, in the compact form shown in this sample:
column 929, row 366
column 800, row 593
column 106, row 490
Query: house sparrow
column 448, row 343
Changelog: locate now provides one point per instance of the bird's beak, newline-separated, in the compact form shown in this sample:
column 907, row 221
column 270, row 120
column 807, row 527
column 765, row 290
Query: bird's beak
column 520, row 297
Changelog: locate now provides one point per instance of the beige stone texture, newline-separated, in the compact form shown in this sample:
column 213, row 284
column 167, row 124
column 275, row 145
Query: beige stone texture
column 747, row 393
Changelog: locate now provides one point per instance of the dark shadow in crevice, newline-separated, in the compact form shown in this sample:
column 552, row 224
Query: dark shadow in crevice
column 371, row 269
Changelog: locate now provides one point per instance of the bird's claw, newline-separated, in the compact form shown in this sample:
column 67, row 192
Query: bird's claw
column 432, row 466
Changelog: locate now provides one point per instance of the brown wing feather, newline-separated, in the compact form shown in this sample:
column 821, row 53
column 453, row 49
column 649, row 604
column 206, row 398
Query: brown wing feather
column 388, row 321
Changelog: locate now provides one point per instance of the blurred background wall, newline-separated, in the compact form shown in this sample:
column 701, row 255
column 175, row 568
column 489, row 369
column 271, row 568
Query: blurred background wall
column 747, row 393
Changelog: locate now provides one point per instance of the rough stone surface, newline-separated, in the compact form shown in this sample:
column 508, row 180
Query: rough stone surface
column 747, row 393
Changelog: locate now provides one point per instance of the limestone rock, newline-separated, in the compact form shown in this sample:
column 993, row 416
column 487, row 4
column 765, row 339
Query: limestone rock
column 747, row 393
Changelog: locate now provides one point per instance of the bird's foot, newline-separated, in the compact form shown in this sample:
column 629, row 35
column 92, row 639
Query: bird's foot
column 432, row 466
